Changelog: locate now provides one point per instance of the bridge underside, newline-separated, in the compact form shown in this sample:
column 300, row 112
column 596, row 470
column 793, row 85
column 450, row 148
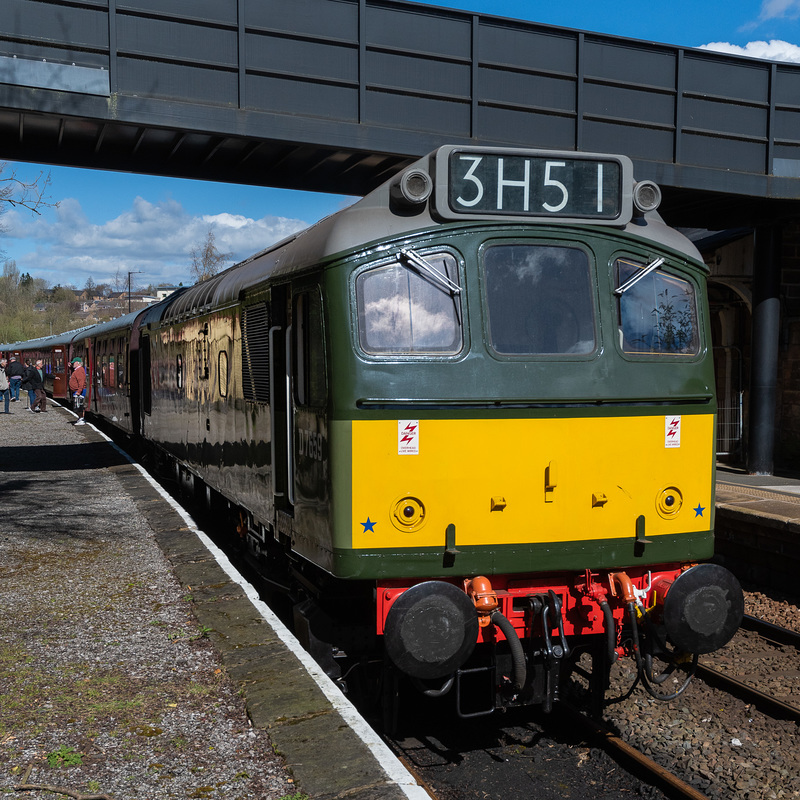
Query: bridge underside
column 334, row 95
column 145, row 149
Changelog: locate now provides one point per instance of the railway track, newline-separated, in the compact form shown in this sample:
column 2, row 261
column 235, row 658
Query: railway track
column 565, row 754
column 775, row 639
column 637, row 762
column 671, row 785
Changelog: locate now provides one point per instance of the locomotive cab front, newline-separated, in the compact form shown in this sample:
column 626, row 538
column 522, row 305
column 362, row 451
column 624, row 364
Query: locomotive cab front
column 523, row 415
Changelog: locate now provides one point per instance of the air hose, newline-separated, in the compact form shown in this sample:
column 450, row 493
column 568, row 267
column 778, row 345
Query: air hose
column 650, row 681
column 611, row 636
column 517, row 653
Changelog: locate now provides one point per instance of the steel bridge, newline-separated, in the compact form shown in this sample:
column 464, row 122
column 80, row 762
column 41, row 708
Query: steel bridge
column 334, row 95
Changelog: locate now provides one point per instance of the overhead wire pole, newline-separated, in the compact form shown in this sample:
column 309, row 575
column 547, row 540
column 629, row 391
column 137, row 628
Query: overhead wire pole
column 133, row 272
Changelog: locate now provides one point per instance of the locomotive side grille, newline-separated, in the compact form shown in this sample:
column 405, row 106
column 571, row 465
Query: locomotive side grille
column 255, row 353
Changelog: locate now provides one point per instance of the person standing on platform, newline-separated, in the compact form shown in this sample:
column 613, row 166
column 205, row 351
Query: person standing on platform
column 33, row 381
column 29, row 378
column 5, row 388
column 41, row 397
column 14, row 371
column 77, row 386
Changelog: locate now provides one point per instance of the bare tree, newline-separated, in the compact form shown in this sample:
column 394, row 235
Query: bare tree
column 31, row 195
column 206, row 259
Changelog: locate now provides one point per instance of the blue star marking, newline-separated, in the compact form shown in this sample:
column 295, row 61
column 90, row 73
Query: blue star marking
column 368, row 525
column 698, row 512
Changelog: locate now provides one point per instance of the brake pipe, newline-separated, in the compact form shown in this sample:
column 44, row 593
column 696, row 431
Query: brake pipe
column 597, row 592
column 488, row 607
column 611, row 630
column 517, row 653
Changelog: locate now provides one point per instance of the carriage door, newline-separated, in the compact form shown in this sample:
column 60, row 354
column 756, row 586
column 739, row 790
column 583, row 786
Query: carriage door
column 280, row 407
column 60, row 373
column 297, row 375
column 308, row 404
column 146, row 380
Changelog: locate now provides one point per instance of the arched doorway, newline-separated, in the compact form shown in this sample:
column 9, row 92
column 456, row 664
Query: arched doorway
column 730, row 305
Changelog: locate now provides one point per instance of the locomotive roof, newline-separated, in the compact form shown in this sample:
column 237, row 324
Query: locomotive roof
column 375, row 217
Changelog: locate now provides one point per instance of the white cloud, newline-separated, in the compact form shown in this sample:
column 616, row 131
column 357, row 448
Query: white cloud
column 779, row 9
column 155, row 239
column 774, row 50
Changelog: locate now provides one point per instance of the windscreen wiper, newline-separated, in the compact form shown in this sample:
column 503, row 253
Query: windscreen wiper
column 638, row 276
column 425, row 266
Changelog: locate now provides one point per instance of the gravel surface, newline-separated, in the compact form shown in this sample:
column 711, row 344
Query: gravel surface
column 775, row 607
column 715, row 742
column 108, row 685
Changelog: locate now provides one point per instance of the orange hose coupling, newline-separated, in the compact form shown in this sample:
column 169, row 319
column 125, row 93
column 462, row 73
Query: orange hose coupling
column 625, row 584
column 484, row 597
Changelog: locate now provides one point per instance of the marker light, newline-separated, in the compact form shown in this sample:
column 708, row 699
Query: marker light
column 646, row 196
column 412, row 188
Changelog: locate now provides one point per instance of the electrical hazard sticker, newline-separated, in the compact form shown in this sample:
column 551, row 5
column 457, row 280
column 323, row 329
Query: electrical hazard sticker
column 408, row 437
column 672, row 431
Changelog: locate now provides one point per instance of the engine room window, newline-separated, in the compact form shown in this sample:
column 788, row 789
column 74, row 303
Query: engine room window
column 255, row 353
column 657, row 314
column 405, row 309
column 540, row 300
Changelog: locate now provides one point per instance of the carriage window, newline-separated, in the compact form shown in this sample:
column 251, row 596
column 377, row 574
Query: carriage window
column 308, row 350
column 203, row 352
column 539, row 299
column 657, row 314
column 120, row 369
column 222, row 372
column 112, row 372
column 404, row 310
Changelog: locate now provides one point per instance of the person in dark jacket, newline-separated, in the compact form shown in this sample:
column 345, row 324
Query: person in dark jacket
column 33, row 381
column 14, row 371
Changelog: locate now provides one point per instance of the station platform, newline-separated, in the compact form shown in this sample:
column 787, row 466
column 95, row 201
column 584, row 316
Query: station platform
column 757, row 528
column 135, row 662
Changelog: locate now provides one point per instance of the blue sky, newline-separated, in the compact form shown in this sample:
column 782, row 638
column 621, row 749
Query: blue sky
column 108, row 223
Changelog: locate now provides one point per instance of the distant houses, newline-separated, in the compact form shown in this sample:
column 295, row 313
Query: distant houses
column 165, row 291
column 107, row 305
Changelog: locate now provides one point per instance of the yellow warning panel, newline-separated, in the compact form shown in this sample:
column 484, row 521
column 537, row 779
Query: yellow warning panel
column 529, row 480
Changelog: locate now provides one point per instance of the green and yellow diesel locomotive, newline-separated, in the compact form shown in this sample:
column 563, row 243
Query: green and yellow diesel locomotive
column 467, row 422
